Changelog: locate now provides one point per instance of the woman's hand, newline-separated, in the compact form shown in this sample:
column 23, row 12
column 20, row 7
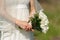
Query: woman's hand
column 24, row 25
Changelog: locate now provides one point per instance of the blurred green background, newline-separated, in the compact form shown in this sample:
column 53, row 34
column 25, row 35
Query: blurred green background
column 52, row 10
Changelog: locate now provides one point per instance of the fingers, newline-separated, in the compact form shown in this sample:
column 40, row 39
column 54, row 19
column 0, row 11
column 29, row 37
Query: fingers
column 29, row 28
column 32, row 30
column 26, row 26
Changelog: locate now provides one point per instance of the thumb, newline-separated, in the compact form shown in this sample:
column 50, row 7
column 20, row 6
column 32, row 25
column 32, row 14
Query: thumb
column 32, row 30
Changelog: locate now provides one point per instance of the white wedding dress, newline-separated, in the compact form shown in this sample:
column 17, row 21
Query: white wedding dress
column 9, row 31
column 19, row 9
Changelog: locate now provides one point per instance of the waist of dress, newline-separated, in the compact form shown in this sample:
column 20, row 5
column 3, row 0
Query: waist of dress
column 18, row 6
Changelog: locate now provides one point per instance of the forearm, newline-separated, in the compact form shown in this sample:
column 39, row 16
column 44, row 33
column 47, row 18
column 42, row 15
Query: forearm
column 32, row 3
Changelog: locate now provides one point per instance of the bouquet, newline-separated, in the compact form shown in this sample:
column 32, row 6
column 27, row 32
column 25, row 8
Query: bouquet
column 39, row 22
column 35, row 22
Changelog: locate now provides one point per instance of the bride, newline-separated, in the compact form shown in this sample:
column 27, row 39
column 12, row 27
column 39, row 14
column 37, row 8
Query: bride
column 14, row 14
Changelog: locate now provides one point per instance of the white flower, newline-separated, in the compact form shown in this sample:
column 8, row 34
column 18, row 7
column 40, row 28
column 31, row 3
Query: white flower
column 44, row 28
column 44, row 21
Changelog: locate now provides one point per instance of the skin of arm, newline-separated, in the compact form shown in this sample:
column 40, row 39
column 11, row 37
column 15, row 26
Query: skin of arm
column 32, row 7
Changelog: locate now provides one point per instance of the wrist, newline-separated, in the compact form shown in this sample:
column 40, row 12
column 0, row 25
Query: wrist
column 32, row 13
column 33, row 10
column 16, row 21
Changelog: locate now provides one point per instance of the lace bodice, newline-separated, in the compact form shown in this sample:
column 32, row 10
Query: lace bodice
column 15, row 2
